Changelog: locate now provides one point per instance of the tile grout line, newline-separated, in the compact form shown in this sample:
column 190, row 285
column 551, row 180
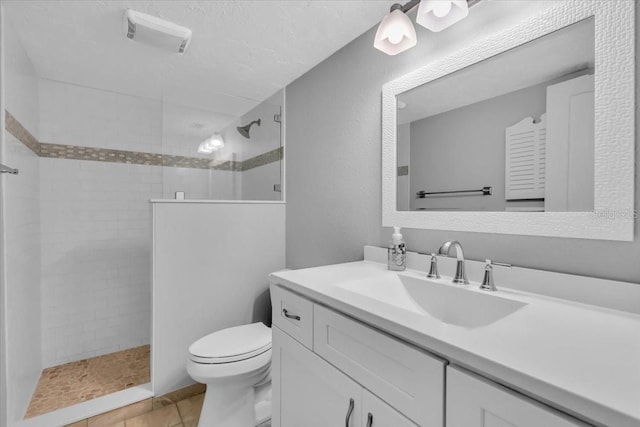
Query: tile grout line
column 179, row 412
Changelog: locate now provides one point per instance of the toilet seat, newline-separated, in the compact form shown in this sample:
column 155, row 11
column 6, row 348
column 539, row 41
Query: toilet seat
column 232, row 344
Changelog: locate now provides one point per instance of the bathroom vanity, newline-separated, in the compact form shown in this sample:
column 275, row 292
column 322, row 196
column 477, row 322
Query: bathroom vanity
column 357, row 345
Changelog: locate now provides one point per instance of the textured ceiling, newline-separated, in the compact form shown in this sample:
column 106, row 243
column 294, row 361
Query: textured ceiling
column 241, row 52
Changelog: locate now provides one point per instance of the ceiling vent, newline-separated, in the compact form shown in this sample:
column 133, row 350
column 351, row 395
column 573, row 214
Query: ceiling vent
column 156, row 32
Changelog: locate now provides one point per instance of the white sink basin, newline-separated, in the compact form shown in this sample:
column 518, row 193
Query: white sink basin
column 453, row 304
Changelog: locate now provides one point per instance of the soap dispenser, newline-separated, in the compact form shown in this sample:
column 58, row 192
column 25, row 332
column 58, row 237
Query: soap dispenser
column 397, row 256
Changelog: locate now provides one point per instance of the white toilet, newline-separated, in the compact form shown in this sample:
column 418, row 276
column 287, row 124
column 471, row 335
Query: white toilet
column 235, row 364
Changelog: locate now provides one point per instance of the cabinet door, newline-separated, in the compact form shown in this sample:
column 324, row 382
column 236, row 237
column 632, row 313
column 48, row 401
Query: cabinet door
column 376, row 413
column 309, row 392
column 406, row 377
column 473, row 401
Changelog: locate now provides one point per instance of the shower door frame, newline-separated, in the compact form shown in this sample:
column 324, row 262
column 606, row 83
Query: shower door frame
column 3, row 290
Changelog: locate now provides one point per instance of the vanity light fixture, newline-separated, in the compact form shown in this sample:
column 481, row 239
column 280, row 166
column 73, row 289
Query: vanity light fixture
column 396, row 32
column 211, row 144
column 436, row 15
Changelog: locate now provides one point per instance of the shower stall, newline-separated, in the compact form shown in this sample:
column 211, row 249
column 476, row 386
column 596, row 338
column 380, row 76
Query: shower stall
column 76, row 224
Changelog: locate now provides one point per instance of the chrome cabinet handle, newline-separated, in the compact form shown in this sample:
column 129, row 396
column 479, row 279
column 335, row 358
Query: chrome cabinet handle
column 347, row 420
column 290, row 316
column 369, row 420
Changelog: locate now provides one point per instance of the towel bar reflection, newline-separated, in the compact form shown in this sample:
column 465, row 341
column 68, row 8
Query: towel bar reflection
column 486, row 191
column 7, row 169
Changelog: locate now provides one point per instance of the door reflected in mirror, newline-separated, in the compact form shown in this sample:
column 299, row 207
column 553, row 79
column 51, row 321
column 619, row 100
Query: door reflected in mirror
column 512, row 133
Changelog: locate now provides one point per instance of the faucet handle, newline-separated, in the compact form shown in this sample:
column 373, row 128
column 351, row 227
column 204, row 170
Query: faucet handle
column 499, row 264
column 487, row 281
column 433, row 269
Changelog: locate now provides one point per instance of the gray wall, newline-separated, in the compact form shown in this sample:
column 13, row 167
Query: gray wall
column 334, row 164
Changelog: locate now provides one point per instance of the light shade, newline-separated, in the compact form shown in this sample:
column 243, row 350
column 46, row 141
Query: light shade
column 215, row 142
column 436, row 15
column 203, row 149
column 211, row 144
column 395, row 33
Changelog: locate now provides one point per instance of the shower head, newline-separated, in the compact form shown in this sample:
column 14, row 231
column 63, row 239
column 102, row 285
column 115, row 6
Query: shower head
column 244, row 130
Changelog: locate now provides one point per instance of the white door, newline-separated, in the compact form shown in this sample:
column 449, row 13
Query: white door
column 377, row 413
column 473, row 401
column 309, row 392
column 569, row 163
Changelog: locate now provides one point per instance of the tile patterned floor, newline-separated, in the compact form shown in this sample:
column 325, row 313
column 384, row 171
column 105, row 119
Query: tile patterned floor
column 75, row 382
column 150, row 413
column 180, row 408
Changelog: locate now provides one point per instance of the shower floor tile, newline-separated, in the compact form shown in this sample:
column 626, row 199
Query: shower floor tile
column 76, row 382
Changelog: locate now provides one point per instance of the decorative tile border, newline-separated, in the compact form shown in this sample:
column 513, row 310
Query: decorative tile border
column 185, row 162
column 263, row 159
column 403, row 170
column 15, row 128
column 76, row 152
column 226, row 165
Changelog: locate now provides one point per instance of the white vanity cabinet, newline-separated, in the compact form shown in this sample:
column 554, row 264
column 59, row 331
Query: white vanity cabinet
column 407, row 378
column 331, row 370
column 322, row 360
column 473, row 401
column 309, row 392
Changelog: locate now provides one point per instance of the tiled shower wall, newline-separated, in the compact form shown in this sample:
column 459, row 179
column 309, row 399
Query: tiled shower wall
column 78, row 115
column 90, row 219
column 96, row 216
column 96, row 223
column 96, row 259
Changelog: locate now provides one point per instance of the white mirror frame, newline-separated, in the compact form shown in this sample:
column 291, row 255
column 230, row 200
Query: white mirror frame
column 613, row 216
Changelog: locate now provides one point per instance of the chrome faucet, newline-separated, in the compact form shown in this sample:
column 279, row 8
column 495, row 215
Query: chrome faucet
column 433, row 269
column 488, row 284
column 461, row 274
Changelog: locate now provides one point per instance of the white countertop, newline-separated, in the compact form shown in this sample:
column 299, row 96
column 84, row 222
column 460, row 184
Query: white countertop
column 582, row 359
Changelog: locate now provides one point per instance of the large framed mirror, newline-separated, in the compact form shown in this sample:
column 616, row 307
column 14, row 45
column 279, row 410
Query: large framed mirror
column 529, row 131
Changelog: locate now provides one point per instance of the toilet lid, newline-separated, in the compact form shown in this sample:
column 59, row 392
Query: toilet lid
column 232, row 344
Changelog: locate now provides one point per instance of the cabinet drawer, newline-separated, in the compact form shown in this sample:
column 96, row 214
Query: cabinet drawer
column 293, row 314
column 409, row 379
column 475, row 401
